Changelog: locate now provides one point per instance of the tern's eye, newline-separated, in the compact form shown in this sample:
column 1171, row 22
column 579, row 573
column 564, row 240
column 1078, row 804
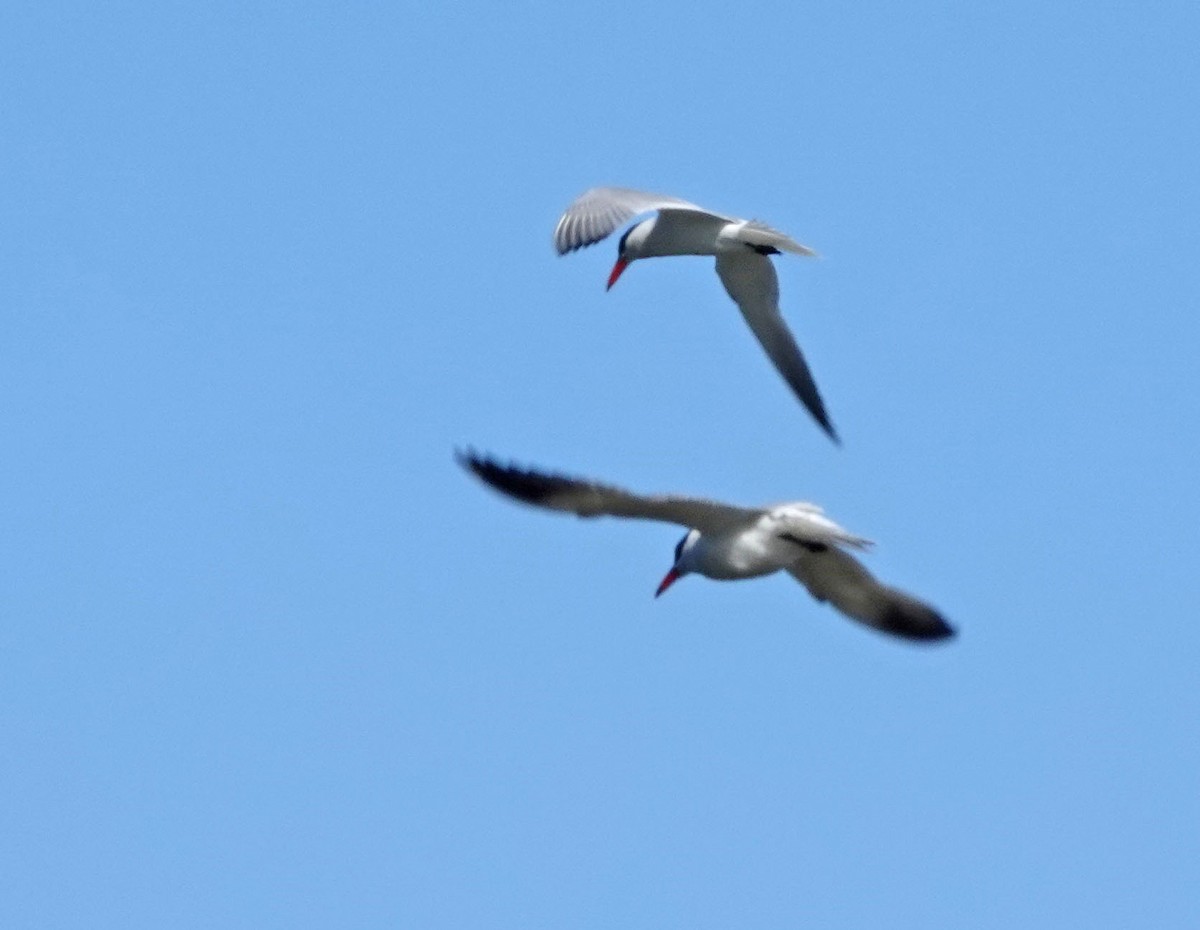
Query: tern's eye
column 679, row 548
column 621, row 244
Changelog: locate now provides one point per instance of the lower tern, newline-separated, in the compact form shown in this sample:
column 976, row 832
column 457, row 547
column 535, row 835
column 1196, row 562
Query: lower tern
column 727, row 542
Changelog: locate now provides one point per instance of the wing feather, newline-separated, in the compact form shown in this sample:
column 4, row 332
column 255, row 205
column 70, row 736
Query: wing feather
column 592, row 499
column 807, row 523
column 758, row 233
column 750, row 279
column 834, row 575
column 596, row 213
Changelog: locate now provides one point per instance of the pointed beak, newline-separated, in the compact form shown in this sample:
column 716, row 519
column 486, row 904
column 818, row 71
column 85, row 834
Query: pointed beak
column 621, row 265
column 669, row 579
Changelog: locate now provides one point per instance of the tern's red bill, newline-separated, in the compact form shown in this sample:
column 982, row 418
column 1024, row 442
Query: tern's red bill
column 619, row 267
column 671, row 577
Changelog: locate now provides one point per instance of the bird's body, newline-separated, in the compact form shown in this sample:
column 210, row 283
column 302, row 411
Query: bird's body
column 726, row 542
column 681, row 228
column 741, row 248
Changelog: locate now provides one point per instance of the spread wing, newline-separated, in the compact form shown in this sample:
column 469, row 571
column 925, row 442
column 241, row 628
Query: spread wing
column 750, row 280
column 593, row 499
column 599, row 211
column 832, row 574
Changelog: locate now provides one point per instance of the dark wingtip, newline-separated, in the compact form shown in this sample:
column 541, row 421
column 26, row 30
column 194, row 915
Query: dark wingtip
column 821, row 415
column 937, row 631
column 916, row 622
column 816, row 408
column 471, row 460
column 525, row 485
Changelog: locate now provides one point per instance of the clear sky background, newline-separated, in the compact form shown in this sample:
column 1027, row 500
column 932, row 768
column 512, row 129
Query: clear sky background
column 269, row 658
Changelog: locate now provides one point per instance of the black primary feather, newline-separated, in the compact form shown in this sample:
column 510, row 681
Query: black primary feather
column 528, row 486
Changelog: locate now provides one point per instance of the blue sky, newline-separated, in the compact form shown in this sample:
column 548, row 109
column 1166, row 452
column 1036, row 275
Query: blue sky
column 270, row 659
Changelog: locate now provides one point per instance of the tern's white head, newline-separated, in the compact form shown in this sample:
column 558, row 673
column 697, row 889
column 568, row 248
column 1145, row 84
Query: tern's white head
column 685, row 551
column 630, row 248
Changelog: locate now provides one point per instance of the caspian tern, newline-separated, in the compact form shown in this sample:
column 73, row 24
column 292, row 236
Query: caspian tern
column 741, row 247
column 727, row 542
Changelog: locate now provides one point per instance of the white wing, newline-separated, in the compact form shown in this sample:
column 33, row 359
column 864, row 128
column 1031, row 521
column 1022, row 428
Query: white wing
column 752, row 232
column 599, row 211
column 806, row 524
column 592, row 499
column 833, row 575
column 750, row 279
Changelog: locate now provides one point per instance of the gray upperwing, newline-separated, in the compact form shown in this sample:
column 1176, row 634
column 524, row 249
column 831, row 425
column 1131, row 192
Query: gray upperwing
column 833, row 575
column 750, row 279
column 593, row 499
column 596, row 213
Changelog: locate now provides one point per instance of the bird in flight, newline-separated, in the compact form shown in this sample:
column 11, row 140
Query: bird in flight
column 742, row 249
column 727, row 542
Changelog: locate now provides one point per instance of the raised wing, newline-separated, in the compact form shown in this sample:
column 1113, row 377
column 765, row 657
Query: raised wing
column 750, row 280
column 599, row 211
column 807, row 525
column 752, row 232
column 592, row 499
column 833, row 575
